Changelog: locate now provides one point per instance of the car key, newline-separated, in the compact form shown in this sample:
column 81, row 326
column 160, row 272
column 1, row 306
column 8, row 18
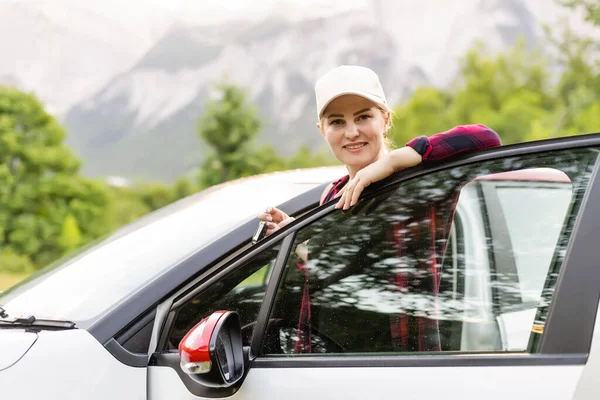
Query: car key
column 260, row 233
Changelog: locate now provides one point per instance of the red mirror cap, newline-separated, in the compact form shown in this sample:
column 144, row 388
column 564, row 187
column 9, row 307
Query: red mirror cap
column 194, row 347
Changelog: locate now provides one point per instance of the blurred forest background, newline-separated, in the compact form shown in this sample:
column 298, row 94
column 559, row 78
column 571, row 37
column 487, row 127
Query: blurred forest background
column 49, row 208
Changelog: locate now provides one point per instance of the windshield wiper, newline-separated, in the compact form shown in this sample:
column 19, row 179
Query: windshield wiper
column 30, row 320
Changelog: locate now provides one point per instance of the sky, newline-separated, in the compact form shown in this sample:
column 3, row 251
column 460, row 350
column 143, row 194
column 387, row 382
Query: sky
column 204, row 12
column 217, row 11
column 213, row 10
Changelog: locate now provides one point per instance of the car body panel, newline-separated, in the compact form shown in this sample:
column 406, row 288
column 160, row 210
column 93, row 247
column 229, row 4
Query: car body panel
column 71, row 364
column 549, row 382
column 465, row 383
column 14, row 343
column 587, row 387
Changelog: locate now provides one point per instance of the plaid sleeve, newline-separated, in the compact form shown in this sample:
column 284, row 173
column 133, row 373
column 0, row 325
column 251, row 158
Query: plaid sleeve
column 459, row 139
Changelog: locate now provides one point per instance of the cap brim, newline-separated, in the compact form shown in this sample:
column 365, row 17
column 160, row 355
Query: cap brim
column 375, row 99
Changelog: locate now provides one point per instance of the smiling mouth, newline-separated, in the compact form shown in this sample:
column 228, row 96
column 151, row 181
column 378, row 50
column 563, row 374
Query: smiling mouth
column 355, row 146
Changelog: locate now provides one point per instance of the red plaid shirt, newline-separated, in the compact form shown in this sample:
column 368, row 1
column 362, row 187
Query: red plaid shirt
column 460, row 139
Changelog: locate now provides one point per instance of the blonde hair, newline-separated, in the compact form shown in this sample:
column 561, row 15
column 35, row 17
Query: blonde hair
column 387, row 141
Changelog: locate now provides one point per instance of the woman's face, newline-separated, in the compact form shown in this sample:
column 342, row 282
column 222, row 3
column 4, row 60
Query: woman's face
column 354, row 128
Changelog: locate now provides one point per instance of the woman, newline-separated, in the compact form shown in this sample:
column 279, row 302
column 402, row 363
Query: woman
column 354, row 119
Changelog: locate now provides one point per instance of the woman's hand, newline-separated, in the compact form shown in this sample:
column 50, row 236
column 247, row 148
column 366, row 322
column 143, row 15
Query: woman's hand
column 275, row 219
column 400, row 158
column 380, row 169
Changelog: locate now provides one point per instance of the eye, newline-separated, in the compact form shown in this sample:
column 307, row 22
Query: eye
column 363, row 117
column 336, row 122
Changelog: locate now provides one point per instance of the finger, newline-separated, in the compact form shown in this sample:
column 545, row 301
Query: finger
column 285, row 222
column 339, row 194
column 347, row 191
column 348, row 197
column 340, row 202
column 277, row 215
column 356, row 194
column 264, row 216
column 271, row 227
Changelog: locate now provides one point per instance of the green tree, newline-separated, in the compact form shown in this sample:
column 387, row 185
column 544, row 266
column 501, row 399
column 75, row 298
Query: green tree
column 305, row 158
column 511, row 92
column 125, row 206
column 129, row 203
column 183, row 187
column 591, row 9
column 578, row 88
column 424, row 113
column 230, row 126
column 14, row 263
column 40, row 185
column 154, row 195
column 70, row 236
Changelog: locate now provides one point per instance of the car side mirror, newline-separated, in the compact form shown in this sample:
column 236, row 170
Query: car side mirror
column 212, row 352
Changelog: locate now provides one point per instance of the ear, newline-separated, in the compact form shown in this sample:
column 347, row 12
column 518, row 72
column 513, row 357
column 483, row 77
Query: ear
column 388, row 118
column 320, row 128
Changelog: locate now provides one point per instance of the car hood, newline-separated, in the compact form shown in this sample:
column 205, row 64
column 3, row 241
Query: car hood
column 14, row 343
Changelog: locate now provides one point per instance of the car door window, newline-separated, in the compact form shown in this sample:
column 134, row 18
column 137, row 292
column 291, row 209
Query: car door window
column 534, row 212
column 242, row 291
column 459, row 260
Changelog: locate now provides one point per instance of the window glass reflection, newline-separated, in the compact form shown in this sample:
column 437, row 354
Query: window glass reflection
column 459, row 260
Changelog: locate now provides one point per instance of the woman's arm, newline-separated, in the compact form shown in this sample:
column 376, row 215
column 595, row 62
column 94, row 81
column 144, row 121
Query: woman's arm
column 460, row 139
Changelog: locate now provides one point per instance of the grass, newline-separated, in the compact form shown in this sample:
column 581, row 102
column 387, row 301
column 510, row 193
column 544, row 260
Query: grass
column 7, row 280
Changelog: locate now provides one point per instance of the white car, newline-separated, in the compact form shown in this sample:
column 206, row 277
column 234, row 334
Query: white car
column 474, row 278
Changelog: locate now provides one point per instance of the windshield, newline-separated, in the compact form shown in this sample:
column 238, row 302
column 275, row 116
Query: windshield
column 85, row 285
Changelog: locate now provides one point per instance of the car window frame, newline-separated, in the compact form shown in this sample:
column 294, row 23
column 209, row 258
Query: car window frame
column 206, row 279
column 554, row 349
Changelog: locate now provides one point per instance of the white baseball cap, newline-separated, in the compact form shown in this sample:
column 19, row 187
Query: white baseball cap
column 349, row 79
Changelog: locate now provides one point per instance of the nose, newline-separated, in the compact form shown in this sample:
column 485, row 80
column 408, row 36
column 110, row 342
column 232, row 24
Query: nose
column 351, row 130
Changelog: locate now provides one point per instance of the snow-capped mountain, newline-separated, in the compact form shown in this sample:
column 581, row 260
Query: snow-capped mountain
column 65, row 52
column 134, row 90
